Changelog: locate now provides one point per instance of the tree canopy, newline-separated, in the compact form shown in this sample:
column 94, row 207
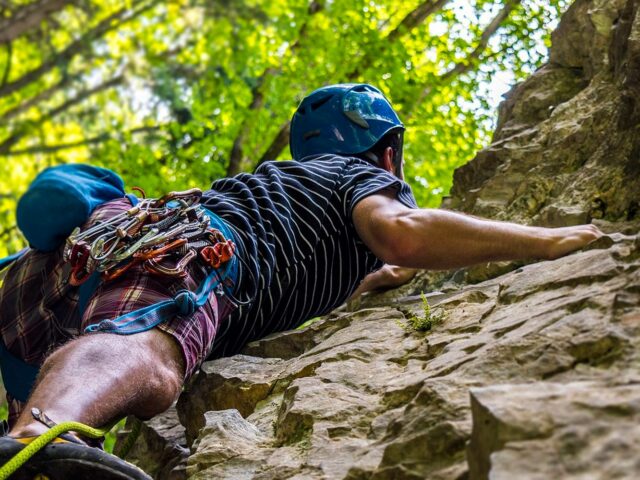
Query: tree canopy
column 173, row 94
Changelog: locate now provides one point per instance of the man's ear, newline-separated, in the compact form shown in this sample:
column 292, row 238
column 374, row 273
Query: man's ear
column 387, row 160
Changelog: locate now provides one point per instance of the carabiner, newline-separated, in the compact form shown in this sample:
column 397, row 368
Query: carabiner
column 98, row 253
column 218, row 254
column 78, row 261
column 154, row 267
column 162, row 251
column 125, row 253
column 194, row 192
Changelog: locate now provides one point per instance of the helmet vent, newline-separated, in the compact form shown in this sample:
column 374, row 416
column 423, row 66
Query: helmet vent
column 318, row 103
column 311, row 134
column 356, row 118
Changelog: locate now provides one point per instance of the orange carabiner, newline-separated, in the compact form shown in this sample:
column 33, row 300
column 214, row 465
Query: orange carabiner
column 216, row 255
column 155, row 267
column 162, row 251
column 109, row 275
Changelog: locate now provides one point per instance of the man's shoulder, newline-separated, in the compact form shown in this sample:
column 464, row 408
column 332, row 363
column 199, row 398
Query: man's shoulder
column 327, row 158
column 321, row 164
column 337, row 159
column 315, row 165
column 318, row 158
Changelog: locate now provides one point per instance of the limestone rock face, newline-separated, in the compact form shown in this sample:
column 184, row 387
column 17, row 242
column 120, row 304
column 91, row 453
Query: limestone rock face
column 561, row 431
column 161, row 447
column 567, row 148
column 533, row 374
column 528, row 371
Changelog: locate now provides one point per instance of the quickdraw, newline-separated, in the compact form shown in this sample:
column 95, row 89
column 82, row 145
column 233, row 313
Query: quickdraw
column 220, row 253
column 163, row 235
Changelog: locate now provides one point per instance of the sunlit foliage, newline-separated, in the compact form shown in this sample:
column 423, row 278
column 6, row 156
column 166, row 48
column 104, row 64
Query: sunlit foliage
column 175, row 93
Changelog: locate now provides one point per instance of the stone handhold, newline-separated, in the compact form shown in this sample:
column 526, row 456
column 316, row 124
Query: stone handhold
column 571, row 431
column 161, row 447
column 237, row 382
column 485, row 271
column 293, row 343
column 607, row 241
column 225, row 436
column 561, row 216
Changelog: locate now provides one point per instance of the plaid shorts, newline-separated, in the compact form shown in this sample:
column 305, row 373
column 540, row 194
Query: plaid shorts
column 39, row 309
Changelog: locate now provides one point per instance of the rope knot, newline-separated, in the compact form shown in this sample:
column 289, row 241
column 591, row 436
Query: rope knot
column 102, row 326
column 186, row 302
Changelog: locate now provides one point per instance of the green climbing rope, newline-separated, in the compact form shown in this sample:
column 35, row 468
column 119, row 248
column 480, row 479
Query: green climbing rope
column 43, row 440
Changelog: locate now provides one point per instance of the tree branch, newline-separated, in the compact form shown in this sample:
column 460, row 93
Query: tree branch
column 467, row 64
column 277, row 145
column 7, row 70
column 416, row 17
column 66, row 80
column 21, row 130
column 28, row 17
column 463, row 66
column 257, row 100
column 41, row 96
column 411, row 21
column 83, row 96
column 66, row 146
column 84, row 42
column 257, row 96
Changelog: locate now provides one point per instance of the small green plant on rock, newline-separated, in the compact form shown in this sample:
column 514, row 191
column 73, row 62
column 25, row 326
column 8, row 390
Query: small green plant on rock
column 427, row 320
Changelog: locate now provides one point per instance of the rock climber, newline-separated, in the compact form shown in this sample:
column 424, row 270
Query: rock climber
column 305, row 234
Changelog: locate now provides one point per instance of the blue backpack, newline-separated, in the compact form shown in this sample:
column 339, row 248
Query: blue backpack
column 61, row 199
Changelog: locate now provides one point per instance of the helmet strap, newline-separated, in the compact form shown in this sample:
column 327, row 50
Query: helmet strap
column 397, row 158
column 373, row 157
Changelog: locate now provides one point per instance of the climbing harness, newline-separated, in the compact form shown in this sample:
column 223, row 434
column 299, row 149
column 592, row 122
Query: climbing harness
column 163, row 236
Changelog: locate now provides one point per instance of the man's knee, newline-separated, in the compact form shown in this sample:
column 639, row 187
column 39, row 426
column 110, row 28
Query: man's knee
column 152, row 359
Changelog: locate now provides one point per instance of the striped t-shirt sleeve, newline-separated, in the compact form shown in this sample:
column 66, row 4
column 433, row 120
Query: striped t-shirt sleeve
column 364, row 179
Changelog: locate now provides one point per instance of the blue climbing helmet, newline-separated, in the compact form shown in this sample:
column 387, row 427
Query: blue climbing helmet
column 344, row 119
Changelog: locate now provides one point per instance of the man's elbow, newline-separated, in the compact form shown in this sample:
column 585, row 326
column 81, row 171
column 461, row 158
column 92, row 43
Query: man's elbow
column 400, row 245
column 402, row 257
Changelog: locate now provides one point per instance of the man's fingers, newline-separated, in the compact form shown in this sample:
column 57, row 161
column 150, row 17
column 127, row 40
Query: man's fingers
column 595, row 231
column 570, row 239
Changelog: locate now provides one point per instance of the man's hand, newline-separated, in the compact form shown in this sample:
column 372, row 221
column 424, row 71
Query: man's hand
column 389, row 276
column 562, row 241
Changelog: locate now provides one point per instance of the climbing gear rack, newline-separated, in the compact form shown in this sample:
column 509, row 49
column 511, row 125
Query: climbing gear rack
column 162, row 235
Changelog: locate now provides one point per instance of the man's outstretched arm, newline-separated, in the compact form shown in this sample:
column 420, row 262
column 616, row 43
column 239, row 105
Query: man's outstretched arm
column 441, row 239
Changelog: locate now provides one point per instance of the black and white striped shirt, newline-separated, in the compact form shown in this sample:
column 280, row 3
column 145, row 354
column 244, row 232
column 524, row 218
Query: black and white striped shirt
column 300, row 254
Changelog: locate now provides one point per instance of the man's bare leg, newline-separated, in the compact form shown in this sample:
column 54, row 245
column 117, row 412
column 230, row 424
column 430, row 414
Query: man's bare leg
column 98, row 378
